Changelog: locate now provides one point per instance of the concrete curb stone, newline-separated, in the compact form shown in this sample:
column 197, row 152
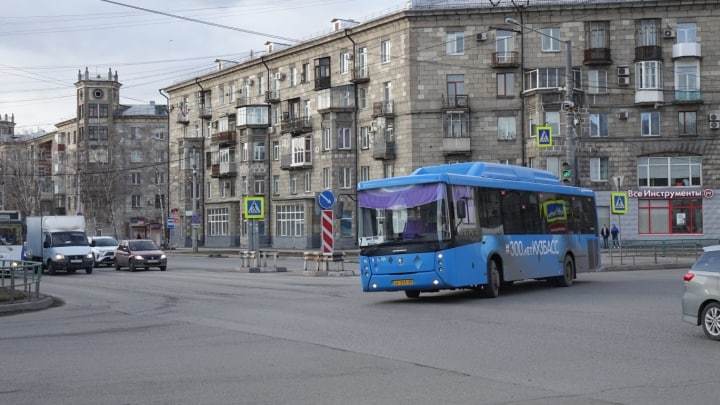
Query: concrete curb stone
column 43, row 303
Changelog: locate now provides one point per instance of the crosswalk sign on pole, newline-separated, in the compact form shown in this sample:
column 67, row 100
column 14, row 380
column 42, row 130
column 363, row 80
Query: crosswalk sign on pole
column 618, row 202
column 254, row 207
column 544, row 136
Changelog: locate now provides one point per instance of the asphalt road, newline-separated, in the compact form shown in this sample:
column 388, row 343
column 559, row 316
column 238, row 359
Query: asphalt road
column 203, row 333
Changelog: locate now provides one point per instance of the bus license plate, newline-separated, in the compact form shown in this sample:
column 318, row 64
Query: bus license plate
column 402, row 283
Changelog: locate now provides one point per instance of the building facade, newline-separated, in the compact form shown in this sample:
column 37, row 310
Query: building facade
column 443, row 82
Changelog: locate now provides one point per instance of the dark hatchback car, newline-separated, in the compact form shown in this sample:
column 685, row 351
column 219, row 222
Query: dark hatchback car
column 139, row 254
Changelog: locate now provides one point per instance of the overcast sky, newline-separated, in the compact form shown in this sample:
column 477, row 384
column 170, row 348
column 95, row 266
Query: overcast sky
column 44, row 42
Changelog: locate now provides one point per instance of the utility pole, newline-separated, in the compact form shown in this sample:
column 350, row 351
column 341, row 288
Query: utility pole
column 194, row 203
column 568, row 107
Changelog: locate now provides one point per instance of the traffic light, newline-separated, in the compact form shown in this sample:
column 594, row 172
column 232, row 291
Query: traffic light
column 566, row 173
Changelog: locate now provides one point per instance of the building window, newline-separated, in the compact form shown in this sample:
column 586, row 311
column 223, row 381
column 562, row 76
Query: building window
column 290, row 220
column 103, row 111
column 136, row 156
column 221, row 94
column 550, row 40
column 364, row 137
column 598, row 33
column 670, row 171
column 506, row 128
column 345, row 178
column 505, row 84
column 385, row 51
column 455, row 87
column 597, row 82
column 245, row 152
column 259, row 186
column 504, row 42
column 232, row 91
column 308, row 181
column 135, row 178
column 326, row 177
column 598, row 125
column 136, row 201
column 293, row 184
column 552, row 118
column 687, row 80
column 455, row 43
column 293, row 76
column 209, row 190
column 276, row 150
column 276, row 184
column 344, row 62
column 224, row 188
column 650, row 123
column 259, row 151
column 218, row 221
column 686, row 33
column 326, row 139
column 648, row 32
column 301, row 149
column 687, row 122
column 599, row 169
column 244, row 185
column 364, row 173
column 388, row 170
column 670, row 216
column 346, row 220
column 552, row 164
column 550, row 78
column 648, row 75
column 362, row 98
column 344, row 139
column 456, row 126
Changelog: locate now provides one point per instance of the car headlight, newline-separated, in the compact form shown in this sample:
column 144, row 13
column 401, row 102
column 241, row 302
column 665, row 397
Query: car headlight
column 89, row 256
column 138, row 258
column 163, row 257
column 58, row 257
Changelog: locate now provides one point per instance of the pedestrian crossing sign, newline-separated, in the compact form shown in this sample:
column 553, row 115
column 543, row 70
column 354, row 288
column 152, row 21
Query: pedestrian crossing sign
column 618, row 203
column 254, row 207
column 544, row 136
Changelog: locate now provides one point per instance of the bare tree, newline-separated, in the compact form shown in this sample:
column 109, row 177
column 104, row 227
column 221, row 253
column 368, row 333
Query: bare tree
column 22, row 182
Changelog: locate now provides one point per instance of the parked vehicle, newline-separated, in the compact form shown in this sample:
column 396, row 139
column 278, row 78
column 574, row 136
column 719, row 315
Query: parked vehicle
column 103, row 248
column 701, row 300
column 59, row 243
column 11, row 241
column 139, row 254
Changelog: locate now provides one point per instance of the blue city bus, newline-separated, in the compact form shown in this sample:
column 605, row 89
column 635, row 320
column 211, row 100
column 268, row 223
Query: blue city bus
column 474, row 225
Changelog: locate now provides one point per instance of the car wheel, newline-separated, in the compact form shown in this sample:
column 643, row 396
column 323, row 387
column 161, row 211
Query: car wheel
column 710, row 320
column 117, row 266
column 132, row 266
column 566, row 280
column 163, row 268
column 492, row 288
column 412, row 293
column 88, row 270
column 51, row 268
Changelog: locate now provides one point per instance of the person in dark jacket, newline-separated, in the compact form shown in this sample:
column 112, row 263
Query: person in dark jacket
column 615, row 231
column 605, row 233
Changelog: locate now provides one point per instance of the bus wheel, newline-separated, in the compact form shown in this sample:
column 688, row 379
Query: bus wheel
column 566, row 280
column 492, row 288
column 412, row 293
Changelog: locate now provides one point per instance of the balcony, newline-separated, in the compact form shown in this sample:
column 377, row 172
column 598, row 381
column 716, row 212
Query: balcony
column 297, row 126
column 383, row 149
column 505, row 59
column 597, row 56
column 688, row 97
column 341, row 98
column 652, row 52
column 215, row 170
column 272, row 96
column 286, row 162
column 61, row 147
column 182, row 118
column 648, row 96
column 383, row 109
column 205, row 111
column 225, row 138
column 456, row 145
column 456, row 102
column 687, row 50
column 243, row 100
column 322, row 82
column 228, row 169
column 252, row 116
column 361, row 74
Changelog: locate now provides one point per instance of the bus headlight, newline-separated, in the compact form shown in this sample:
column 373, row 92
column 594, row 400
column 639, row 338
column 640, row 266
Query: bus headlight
column 440, row 261
column 163, row 257
column 139, row 258
column 58, row 257
column 89, row 256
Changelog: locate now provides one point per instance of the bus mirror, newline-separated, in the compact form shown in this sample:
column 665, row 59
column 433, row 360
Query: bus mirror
column 461, row 209
column 92, row 243
column 46, row 244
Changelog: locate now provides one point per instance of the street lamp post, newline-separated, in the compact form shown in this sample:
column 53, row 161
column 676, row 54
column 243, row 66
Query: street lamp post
column 194, row 203
column 568, row 104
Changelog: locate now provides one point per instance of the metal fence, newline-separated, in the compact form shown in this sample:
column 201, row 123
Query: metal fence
column 19, row 281
column 685, row 251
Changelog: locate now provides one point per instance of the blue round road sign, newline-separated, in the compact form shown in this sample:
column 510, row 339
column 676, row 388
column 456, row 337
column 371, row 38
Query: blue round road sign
column 326, row 199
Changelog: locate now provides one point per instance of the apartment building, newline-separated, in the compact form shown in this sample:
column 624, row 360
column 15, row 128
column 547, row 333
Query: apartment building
column 455, row 81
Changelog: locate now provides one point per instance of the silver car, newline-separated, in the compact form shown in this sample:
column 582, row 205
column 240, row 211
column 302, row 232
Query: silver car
column 701, row 301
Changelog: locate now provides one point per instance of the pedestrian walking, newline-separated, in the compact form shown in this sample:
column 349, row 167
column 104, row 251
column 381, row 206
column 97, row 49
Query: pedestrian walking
column 605, row 233
column 615, row 231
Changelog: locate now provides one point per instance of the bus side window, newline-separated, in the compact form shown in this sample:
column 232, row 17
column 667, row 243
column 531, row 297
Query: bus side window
column 489, row 211
column 466, row 213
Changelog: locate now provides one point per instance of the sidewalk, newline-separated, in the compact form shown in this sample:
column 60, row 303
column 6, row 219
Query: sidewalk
column 350, row 255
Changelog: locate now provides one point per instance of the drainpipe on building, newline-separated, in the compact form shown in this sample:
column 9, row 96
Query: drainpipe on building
column 166, row 231
column 355, row 130
column 202, row 154
column 268, row 151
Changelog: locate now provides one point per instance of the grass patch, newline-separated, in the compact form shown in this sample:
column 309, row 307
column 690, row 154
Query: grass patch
column 7, row 294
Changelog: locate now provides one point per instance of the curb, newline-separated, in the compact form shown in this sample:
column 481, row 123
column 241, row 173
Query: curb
column 322, row 273
column 43, row 303
column 678, row 266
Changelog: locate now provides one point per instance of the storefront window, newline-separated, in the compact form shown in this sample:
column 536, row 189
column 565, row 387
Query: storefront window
column 670, row 216
column 682, row 171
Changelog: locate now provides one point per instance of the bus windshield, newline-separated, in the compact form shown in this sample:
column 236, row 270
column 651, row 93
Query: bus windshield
column 405, row 214
column 69, row 239
column 10, row 234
